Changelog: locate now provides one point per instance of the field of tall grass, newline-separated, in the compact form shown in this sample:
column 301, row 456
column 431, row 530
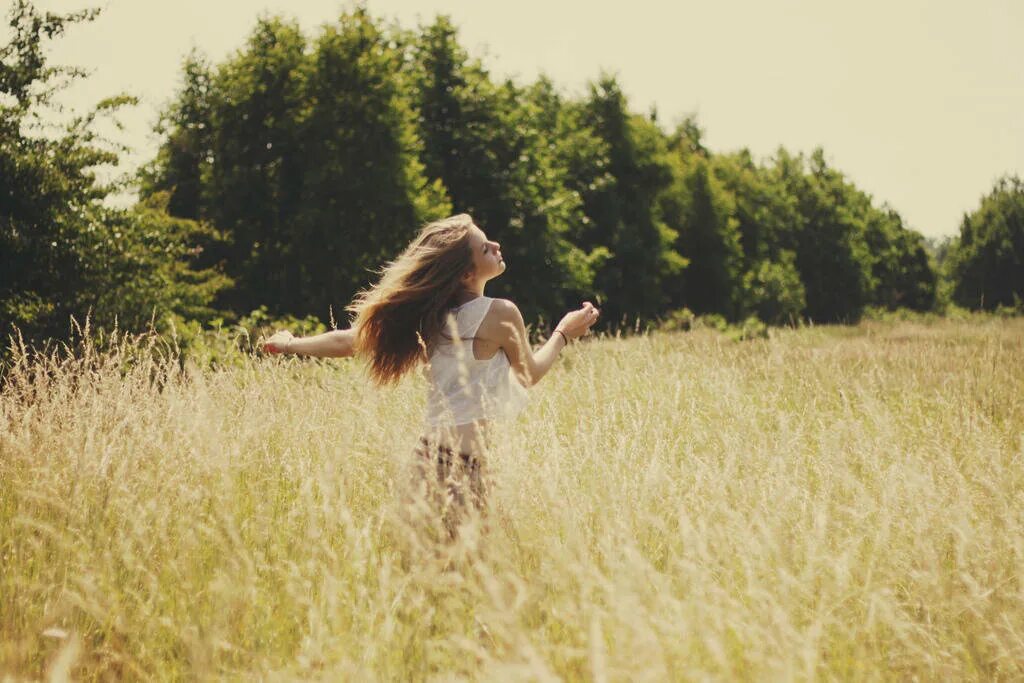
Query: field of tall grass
column 829, row 503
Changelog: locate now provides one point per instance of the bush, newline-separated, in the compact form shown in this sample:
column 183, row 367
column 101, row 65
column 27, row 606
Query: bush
column 774, row 290
column 883, row 314
column 218, row 343
column 679, row 320
column 751, row 328
column 712, row 321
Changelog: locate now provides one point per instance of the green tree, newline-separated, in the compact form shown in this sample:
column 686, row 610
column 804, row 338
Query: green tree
column 710, row 240
column 495, row 148
column 319, row 158
column 765, row 217
column 307, row 158
column 773, row 290
column 986, row 261
column 155, row 256
column 63, row 252
column 364, row 191
column 831, row 253
column 187, row 151
column 257, row 156
column 764, row 212
column 620, row 191
column 902, row 272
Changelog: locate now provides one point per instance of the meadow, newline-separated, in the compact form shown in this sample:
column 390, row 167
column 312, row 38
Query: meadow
column 838, row 503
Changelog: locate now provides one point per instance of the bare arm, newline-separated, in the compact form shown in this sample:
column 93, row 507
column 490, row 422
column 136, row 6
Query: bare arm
column 333, row 344
column 528, row 364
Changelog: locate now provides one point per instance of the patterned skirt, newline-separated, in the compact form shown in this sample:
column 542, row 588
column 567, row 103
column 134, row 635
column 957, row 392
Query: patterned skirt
column 452, row 478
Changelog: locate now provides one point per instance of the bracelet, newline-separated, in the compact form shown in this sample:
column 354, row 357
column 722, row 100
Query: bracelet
column 564, row 338
column 288, row 344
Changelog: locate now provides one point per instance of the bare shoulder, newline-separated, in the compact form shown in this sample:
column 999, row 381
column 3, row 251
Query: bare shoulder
column 501, row 322
column 504, row 311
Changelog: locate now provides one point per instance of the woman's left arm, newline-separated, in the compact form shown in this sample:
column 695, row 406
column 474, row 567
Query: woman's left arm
column 333, row 344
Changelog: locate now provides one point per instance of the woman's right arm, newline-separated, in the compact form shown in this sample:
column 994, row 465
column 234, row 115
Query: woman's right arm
column 529, row 365
column 333, row 344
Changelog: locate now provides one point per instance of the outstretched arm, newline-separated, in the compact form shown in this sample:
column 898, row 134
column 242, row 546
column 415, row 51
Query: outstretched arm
column 529, row 365
column 333, row 344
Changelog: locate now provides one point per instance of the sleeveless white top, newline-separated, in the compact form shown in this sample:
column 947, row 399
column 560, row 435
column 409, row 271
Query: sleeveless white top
column 462, row 388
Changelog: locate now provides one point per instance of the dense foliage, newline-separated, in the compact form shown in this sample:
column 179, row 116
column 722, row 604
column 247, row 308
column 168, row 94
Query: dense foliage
column 986, row 261
column 63, row 252
column 294, row 168
column 318, row 157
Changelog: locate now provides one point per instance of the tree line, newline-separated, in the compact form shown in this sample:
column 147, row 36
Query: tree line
column 293, row 169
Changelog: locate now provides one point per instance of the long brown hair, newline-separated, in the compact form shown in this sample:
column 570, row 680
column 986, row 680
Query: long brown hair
column 398, row 319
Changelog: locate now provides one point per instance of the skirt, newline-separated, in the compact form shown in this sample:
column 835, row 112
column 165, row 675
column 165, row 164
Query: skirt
column 452, row 480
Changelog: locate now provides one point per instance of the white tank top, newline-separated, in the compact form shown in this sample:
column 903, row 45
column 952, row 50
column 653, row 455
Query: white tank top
column 462, row 388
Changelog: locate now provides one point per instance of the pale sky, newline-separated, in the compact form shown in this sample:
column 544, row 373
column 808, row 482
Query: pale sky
column 920, row 103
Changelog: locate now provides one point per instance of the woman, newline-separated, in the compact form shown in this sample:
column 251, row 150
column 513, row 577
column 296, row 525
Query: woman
column 429, row 305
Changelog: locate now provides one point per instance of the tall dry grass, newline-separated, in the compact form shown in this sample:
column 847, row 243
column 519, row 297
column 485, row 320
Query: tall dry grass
column 841, row 503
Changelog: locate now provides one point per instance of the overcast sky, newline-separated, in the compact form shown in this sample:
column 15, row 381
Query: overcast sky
column 920, row 103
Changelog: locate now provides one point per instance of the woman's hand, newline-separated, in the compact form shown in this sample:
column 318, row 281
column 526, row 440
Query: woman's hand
column 576, row 323
column 277, row 343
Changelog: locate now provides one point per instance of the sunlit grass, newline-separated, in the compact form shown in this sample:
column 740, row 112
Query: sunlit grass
column 828, row 503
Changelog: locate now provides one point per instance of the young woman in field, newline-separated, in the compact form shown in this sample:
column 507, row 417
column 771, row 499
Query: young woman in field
column 429, row 305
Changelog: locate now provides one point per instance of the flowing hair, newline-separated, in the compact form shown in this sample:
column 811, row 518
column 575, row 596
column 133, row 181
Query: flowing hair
column 400, row 318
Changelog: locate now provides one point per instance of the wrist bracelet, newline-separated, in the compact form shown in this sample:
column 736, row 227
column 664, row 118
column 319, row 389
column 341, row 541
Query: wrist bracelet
column 288, row 345
column 564, row 338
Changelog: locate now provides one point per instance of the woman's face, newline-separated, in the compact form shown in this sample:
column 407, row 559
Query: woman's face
column 487, row 261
